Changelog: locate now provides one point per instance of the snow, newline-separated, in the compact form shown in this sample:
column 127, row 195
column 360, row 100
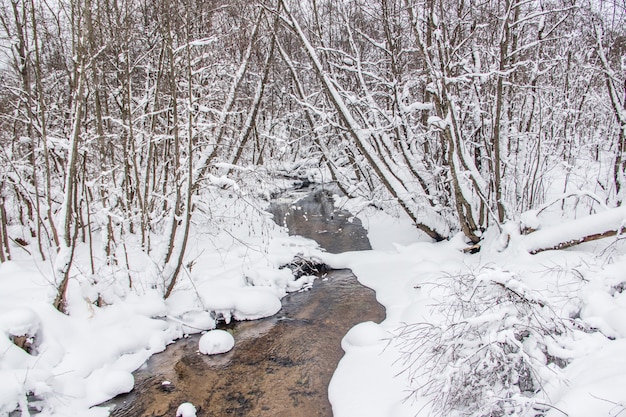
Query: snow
column 596, row 383
column 417, row 106
column 216, row 342
column 364, row 382
column 19, row 322
column 611, row 219
column 75, row 362
column 412, row 281
column 106, row 383
column 363, row 335
column 186, row 410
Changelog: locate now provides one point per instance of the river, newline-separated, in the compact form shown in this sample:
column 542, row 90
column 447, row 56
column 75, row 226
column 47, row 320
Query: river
column 281, row 365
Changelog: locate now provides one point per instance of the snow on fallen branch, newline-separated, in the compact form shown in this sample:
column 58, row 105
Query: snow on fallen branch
column 587, row 229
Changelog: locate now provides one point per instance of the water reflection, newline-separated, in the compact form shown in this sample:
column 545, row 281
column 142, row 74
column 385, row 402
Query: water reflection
column 314, row 216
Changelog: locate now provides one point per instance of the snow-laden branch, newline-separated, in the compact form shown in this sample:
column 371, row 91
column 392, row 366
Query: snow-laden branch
column 361, row 137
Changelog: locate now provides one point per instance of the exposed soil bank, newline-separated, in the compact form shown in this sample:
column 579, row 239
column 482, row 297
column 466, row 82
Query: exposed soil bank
column 280, row 366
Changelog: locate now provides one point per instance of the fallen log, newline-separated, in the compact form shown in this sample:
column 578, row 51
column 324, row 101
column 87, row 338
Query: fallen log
column 574, row 242
column 587, row 229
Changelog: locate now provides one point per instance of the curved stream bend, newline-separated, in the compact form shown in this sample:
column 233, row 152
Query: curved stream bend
column 281, row 365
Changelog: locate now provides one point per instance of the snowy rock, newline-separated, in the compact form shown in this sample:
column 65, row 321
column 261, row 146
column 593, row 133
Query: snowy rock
column 529, row 220
column 21, row 326
column 215, row 342
column 186, row 410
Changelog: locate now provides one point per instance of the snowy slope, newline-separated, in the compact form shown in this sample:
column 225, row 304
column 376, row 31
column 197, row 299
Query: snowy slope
column 433, row 288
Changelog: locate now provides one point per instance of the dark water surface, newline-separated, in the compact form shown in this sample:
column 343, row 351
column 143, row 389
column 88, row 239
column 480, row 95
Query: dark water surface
column 281, row 365
column 314, row 216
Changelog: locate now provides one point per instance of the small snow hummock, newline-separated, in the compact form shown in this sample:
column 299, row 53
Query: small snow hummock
column 364, row 334
column 19, row 322
column 186, row 410
column 110, row 382
column 215, row 342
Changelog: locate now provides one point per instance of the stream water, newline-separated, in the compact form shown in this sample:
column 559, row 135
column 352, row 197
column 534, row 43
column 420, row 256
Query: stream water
column 281, row 365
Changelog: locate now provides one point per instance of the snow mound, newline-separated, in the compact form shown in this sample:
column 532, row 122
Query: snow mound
column 195, row 321
column 215, row 342
column 256, row 303
column 186, row 410
column 104, row 383
column 247, row 303
column 19, row 322
column 364, row 334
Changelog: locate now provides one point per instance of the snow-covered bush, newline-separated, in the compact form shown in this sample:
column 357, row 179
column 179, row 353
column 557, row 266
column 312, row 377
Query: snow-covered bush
column 490, row 354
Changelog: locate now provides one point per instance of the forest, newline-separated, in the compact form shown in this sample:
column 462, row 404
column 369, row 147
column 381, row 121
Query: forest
column 118, row 115
column 125, row 123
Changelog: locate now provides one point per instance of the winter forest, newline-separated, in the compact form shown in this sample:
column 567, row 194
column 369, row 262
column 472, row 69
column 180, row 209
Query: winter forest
column 133, row 132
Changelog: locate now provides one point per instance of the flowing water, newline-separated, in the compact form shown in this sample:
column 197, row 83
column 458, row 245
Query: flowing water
column 281, row 365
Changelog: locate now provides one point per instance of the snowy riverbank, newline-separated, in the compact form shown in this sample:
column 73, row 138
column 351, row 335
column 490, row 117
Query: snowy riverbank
column 521, row 318
column 505, row 315
column 80, row 360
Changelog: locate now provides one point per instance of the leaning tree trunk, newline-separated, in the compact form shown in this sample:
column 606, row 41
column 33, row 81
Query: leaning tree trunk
column 359, row 137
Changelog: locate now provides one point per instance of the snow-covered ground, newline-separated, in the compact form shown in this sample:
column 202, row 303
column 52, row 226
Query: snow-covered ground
column 560, row 313
column 80, row 360
column 512, row 318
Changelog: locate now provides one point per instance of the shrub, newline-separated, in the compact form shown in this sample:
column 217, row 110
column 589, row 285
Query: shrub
column 489, row 356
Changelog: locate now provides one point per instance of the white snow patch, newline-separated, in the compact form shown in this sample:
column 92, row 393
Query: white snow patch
column 186, row 410
column 106, row 383
column 216, row 342
column 19, row 322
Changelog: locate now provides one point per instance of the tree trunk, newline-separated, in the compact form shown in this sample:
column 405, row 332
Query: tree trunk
column 68, row 226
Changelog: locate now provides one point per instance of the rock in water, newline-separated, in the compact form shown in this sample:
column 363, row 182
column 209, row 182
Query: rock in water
column 215, row 342
column 186, row 410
